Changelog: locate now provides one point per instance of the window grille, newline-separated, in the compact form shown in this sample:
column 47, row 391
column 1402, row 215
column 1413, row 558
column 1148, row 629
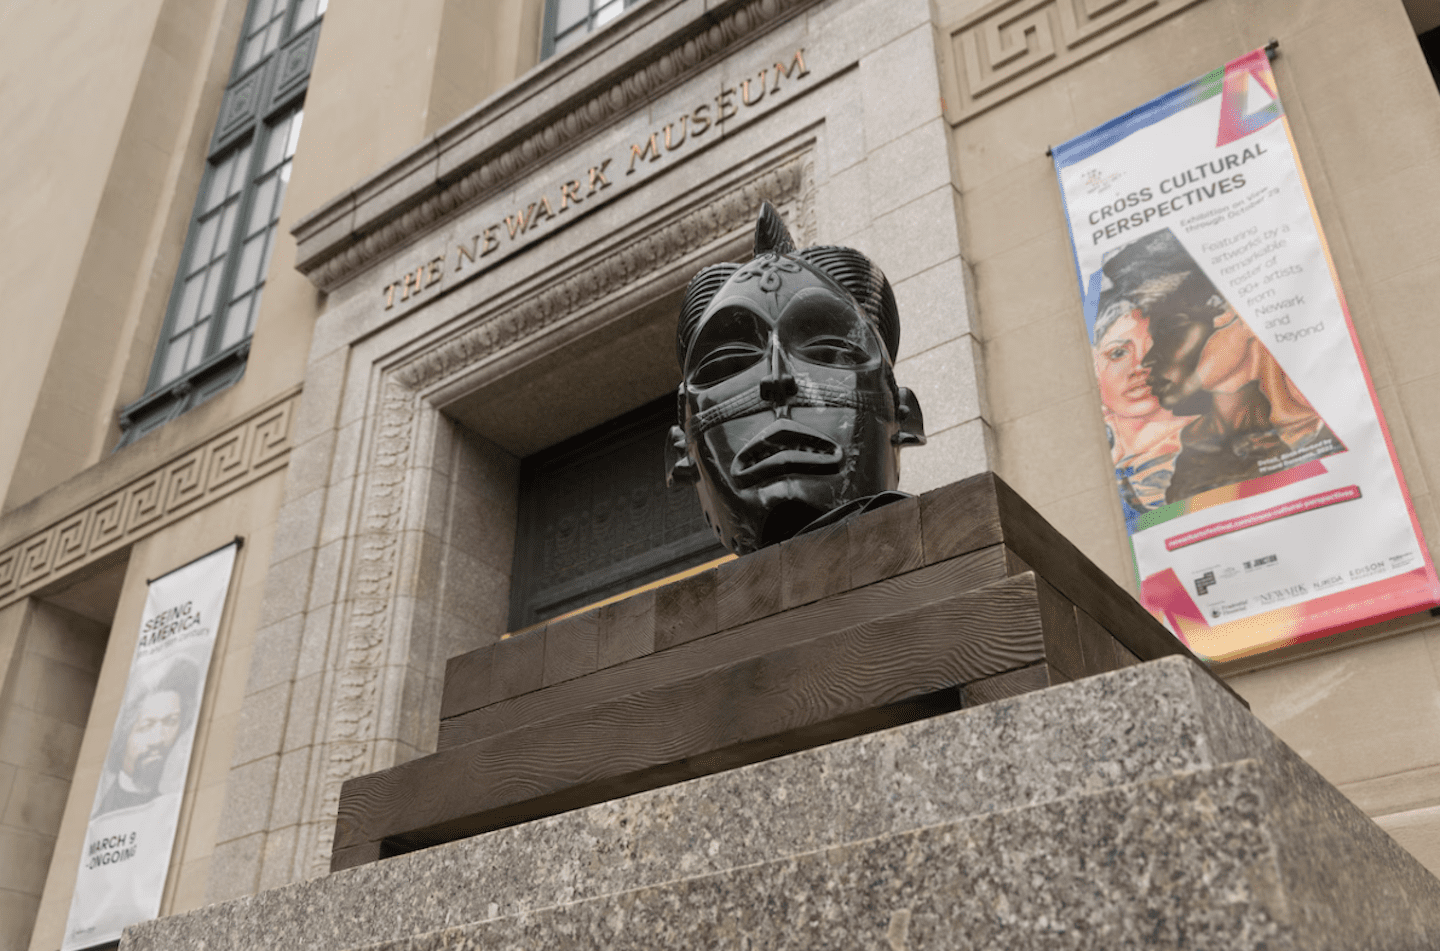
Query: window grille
column 216, row 295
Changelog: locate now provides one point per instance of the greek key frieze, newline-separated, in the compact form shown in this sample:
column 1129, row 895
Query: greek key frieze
column 1014, row 45
column 234, row 458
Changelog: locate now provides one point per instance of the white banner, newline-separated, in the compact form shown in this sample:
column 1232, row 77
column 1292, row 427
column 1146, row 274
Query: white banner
column 1261, row 493
column 137, row 805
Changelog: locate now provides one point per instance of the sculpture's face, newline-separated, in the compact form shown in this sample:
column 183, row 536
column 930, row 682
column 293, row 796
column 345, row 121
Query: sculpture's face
column 789, row 403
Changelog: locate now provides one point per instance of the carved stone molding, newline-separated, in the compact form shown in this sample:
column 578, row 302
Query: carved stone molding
column 241, row 454
column 1013, row 45
column 645, row 77
column 662, row 246
column 355, row 700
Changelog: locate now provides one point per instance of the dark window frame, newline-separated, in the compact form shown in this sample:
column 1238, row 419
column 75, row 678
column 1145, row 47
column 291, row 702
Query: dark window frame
column 269, row 76
column 688, row 540
column 554, row 39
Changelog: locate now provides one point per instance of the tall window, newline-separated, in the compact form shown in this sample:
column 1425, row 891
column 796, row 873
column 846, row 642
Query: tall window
column 216, row 295
column 568, row 21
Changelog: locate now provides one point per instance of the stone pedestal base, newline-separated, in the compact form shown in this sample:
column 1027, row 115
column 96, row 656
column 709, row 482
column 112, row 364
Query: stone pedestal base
column 1140, row 808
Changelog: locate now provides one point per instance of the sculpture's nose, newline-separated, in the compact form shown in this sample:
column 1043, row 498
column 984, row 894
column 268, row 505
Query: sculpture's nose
column 778, row 386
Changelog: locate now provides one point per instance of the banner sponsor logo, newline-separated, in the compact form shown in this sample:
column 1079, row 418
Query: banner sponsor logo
column 137, row 805
column 1261, row 493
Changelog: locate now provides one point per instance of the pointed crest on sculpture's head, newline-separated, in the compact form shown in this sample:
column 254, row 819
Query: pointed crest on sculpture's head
column 771, row 235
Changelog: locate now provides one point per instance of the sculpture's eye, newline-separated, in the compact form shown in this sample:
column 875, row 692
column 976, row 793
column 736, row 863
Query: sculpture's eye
column 730, row 342
column 833, row 351
column 724, row 362
column 825, row 330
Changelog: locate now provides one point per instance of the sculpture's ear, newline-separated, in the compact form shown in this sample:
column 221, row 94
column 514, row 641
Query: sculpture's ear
column 912, row 420
column 679, row 467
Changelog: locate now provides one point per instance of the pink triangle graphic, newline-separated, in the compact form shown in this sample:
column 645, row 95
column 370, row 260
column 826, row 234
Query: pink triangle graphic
column 1235, row 121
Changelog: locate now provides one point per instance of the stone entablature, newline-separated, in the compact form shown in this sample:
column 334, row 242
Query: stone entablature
column 501, row 140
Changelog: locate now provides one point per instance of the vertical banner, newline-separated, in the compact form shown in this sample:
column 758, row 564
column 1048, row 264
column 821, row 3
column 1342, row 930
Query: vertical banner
column 137, row 805
column 1261, row 492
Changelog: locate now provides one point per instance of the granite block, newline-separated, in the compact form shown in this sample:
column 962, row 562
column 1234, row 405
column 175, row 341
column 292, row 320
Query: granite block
column 1141, row 808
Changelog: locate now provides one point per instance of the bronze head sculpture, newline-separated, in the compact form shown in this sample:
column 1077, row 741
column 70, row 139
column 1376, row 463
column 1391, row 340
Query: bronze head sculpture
column 789, row 413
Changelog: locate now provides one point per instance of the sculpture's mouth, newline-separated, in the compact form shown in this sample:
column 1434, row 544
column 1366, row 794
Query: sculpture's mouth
column 785, row 447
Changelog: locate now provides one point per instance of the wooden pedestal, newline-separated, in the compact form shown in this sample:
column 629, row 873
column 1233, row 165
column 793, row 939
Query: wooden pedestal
column 962, row 596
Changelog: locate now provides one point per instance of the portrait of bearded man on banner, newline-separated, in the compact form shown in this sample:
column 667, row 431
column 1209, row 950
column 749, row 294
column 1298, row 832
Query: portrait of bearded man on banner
column 149, row 726
column 1248, row 418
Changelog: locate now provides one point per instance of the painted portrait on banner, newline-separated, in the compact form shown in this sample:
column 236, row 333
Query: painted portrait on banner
column 1193, row 399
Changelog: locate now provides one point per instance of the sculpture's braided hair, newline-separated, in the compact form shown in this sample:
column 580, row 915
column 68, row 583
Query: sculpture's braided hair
column 845, row 266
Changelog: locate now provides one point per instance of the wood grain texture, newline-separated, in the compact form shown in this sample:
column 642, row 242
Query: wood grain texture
column 885, row 542
column 748, row 588
column 467, row 681
column 570, row 647
column 685, row 610
column 1101, row 650
column 814, row 565
column 1009, row 684
column 822, row 618
column 656, row 735
column 518, row 665
column 1062, row 639
column 960, row 517
column 627, row 630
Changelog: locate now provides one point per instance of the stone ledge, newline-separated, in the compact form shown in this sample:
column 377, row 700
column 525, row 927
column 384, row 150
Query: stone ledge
column 1141, row 807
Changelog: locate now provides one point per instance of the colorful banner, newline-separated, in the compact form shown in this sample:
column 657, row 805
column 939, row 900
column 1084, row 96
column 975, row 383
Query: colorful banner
column 1261, row 492
column 137, row 805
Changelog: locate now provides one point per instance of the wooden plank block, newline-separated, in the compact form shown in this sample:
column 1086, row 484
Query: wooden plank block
column 467, row 681
column 1009, row 684
column 1014, row 563
column 570, row 647
column 814, row 565
column 1054, row 558
column 885, row 542
column 518, row 665
column 685, row 610
column 748, row 588
column 355, row 855
column 959, row 518
column 1062, row 638
column 1100, row 649
column 652, row 736
column 896, row 595
column 627, row 630
column 1060, row 563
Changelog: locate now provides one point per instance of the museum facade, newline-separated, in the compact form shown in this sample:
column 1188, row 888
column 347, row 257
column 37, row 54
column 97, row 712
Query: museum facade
column 390, row 296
